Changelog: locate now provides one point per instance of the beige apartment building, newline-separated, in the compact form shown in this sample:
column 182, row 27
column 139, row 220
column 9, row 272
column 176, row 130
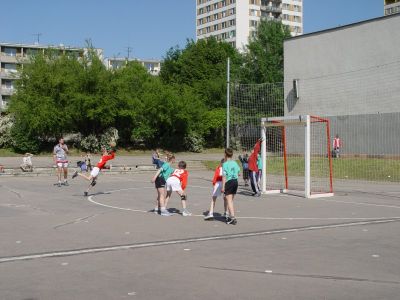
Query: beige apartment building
column 14, row 56
column 391, row 7
column 153, row 66
column 234, row 21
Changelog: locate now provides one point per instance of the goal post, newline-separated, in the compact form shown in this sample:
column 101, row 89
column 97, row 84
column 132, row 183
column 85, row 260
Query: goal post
column 296, row 156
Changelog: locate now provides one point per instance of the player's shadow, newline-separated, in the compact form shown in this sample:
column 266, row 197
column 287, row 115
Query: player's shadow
column 217, row 217
column 174, row 210
column 92, row 194
column 245, row 192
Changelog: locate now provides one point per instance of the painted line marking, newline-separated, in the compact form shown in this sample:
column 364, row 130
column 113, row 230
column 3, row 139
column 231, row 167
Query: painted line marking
column 189, row 240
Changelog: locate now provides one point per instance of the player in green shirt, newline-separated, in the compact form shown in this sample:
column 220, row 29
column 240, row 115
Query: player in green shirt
column 230, row 174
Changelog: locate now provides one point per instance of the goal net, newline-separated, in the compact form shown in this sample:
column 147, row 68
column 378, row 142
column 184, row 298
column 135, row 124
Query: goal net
column 296, row 156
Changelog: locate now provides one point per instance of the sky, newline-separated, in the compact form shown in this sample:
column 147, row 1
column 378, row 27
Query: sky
column 147, row 27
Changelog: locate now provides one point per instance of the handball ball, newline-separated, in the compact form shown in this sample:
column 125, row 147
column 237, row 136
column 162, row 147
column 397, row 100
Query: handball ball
column 113, row 144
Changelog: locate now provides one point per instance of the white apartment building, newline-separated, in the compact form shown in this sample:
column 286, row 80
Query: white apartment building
column 153, row 66
column 234, row 21
column 14, row 56
column 391, row 7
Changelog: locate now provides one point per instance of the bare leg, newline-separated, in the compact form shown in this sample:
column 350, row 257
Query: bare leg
column 169, row 193
column 229, row 203
column 65, row 174
column 212, row 205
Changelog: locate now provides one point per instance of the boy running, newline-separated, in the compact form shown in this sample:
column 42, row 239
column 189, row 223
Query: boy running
column 159, row 180
column 107, row 155
column 230, row 176
column 177, row 183
column 217, row 184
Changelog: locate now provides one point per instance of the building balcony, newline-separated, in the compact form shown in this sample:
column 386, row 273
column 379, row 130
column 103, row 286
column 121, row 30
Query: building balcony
column 8, row 58
column 7, row 91
column 9, row 75
column 272, row 18
column 271, row 9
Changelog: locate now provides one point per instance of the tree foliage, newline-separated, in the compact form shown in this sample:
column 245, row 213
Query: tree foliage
column 183, row 108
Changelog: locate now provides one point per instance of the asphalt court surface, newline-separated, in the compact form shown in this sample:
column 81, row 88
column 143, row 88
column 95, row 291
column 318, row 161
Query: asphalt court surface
column 58, row 244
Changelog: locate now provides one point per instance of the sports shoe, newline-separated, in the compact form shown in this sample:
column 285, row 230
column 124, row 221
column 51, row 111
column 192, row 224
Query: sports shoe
column 226, row 215
column 257, row 194
column 156, row 211
column 209, row 217
column 59, row 184
column 93, row 182
column 85, row 194
column 166, row 213
column 75, row 174
column 231, row 221
column 66, row 183
column 186, row 213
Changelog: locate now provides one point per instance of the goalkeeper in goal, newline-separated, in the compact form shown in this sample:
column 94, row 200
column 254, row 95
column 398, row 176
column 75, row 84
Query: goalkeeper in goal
column 253, row 169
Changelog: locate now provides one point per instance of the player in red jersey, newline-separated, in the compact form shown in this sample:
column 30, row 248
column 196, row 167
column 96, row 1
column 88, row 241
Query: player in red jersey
column 107, row 155
column 177, row 182
column 217, row 185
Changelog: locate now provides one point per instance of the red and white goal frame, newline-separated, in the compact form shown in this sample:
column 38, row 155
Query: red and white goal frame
column 306, row 142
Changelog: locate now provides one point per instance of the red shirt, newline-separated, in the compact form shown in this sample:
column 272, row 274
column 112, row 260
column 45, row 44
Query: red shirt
column 104, row 159
column 182, row 175
column 337, row 143
column 217, row 175
column 253, row 157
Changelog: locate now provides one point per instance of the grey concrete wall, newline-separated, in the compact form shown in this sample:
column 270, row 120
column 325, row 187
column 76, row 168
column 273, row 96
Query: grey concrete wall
column 347, row 70
column 350, row 74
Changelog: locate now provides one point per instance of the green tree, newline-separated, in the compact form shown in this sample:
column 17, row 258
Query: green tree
column 263, row 60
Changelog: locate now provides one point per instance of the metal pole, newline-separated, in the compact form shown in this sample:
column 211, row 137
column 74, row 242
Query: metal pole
column 264, row 156
column 307, row 158
column 228, row 67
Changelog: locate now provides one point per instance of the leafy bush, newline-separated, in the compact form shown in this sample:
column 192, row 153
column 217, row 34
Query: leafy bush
column 6, row 123
column 194, row 142
column 90, row 143
column 22, row 140
column 111, row 134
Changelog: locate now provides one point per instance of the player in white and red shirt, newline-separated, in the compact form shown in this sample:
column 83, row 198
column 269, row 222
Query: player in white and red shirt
column 217, row 185
column 107, row 155
column 177, row 182
column 337, row 144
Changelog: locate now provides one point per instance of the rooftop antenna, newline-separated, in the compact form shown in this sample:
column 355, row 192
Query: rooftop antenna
column 37, row 37
column 129, row 50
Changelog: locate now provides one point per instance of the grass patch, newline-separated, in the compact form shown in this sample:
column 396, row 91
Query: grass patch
column 370, row 169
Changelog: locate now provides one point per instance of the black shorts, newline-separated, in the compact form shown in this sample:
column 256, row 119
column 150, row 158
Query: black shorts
column 160, row 182
column 231, row 187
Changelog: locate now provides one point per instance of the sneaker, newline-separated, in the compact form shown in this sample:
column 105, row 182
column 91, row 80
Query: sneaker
column 226, row 215
column 93, row 182
column 66, row 183
column 231, row 221
column 166, row 213
column 75, row 174
column 85, row 194
column 59, row 184
column 209, row 217
column 186, row 213
column 257, row 194
column 156, row 211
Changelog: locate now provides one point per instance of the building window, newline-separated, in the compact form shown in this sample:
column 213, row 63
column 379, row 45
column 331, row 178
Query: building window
column 232, row 11
column 208, row 29
column 201, row 11
column 208, row 19
column 10, row 51
column 215, row 17
column 12, row 68
column 232, row 33
column 253, row 12
column 215, row 5
column 232, row 22
column 223, row 14
column 253, row 23
column 223, row 24
column 223, row 3
column 200, row 21
column 215, row 27
column 208, row 8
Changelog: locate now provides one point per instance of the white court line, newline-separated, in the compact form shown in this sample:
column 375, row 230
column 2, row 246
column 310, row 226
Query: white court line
column 90, row 199
column 360, row 203
column 189, row 240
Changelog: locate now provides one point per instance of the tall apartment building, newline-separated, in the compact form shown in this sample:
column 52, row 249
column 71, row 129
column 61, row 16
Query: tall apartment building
column 234, row 21
column 391, row 7
column 153, row 66
column 14, row 56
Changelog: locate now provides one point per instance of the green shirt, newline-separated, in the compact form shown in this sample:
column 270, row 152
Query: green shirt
column 166, row 170
column 231, row 170
column 259, row 162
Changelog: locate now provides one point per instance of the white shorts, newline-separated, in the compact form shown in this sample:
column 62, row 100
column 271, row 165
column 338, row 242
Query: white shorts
column 173, row 184
column 62, row 164
column 217, row 189
column 95, row 172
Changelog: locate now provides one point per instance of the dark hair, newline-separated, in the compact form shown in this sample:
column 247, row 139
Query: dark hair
column 182, row 165
column 229, row 152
